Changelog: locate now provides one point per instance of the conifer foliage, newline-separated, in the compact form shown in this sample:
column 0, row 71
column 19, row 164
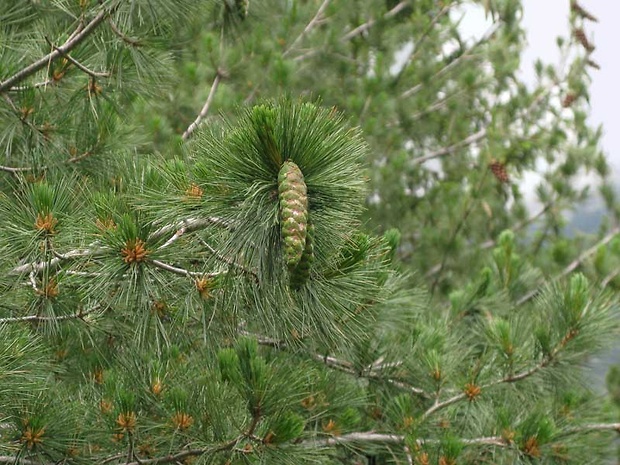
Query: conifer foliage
column 293, row 281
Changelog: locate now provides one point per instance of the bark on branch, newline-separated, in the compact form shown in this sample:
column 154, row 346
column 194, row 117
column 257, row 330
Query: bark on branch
column 74, row 40
column 205, row 109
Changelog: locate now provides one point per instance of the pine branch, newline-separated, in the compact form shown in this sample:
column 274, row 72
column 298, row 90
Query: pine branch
column 439, row 104
column 74, row 40
column 183, row 227
column 363, row 437
column 77, row 64
column 79, row 315
column 591, row 428
column 572, row 266
column 205, row 109
column 36, row 85
column 182, row 271
column 467, row 54
column 475, row 137
column 545, row 362
column 607, row 279
column 521, row 225
column 12, row 170
column 379, row 438
column 492, row 242
column 229, row 261
column 38, row 267
column 313, row 22
column 469, row 140
column 466, row 212
column 23, row 118
column 180, row 456
column 341, row 365
column 186, row 226
column 362, row 28
column 415, row 51
column 122, row 36
column 80, row 157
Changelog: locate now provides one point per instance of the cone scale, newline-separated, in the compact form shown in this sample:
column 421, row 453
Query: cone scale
column 301, row 273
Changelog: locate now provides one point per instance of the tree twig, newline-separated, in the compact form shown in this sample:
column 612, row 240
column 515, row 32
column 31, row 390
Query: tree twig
column 182, row 271
column 190, row 224
column 122, row 36
column 77, row 64
column 362, row 28
column 186, row 226
column 382, row 438
column 79, row 315
column 418, row 42
column 38, row 267
column 340, row 365
column 513, row 378
column 36, row 85
column 590, row 428
column 205, row 109
column 12, row 170
column 229, row 261
column 469, row 140
column 313, row 22
column 463, row 219
column 74, row 40
column 467, row 54
column 572, row 266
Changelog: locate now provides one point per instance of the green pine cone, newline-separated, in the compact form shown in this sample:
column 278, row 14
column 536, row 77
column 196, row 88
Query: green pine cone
column 293, row 199
column 301, row 273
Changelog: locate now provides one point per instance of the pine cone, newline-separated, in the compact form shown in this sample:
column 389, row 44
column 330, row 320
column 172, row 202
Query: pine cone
column 569, row 99
column 300, row 274
column 293, row 197
column 580, row 35
column 579, row 10
column 499, row 171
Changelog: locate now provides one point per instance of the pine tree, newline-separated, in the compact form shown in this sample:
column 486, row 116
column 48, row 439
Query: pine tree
column 341, row 267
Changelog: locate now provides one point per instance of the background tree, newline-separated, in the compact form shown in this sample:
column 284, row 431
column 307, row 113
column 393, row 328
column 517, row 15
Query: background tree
column 181, row 287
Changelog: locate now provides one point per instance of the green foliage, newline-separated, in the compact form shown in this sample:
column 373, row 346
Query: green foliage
column 295, row 232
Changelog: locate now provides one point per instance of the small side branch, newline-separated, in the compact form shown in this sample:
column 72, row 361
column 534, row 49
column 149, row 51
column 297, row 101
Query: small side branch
column 572, row 266
column 122, row 36
column 12, row 170
column 186, row 226
column 181, row 228
column 38, row 267
column 591, row 428
column 469, row 140
column 77, row 64
column 36, row 85
column 313, row 22
column 229, row 261
column 362, row 28
column 513, row 378
column 181, row 271
column 205, row 109
column 466, row 55
column 370, row 437
column 79, row 315
column 74, row 40
column 341, row 365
